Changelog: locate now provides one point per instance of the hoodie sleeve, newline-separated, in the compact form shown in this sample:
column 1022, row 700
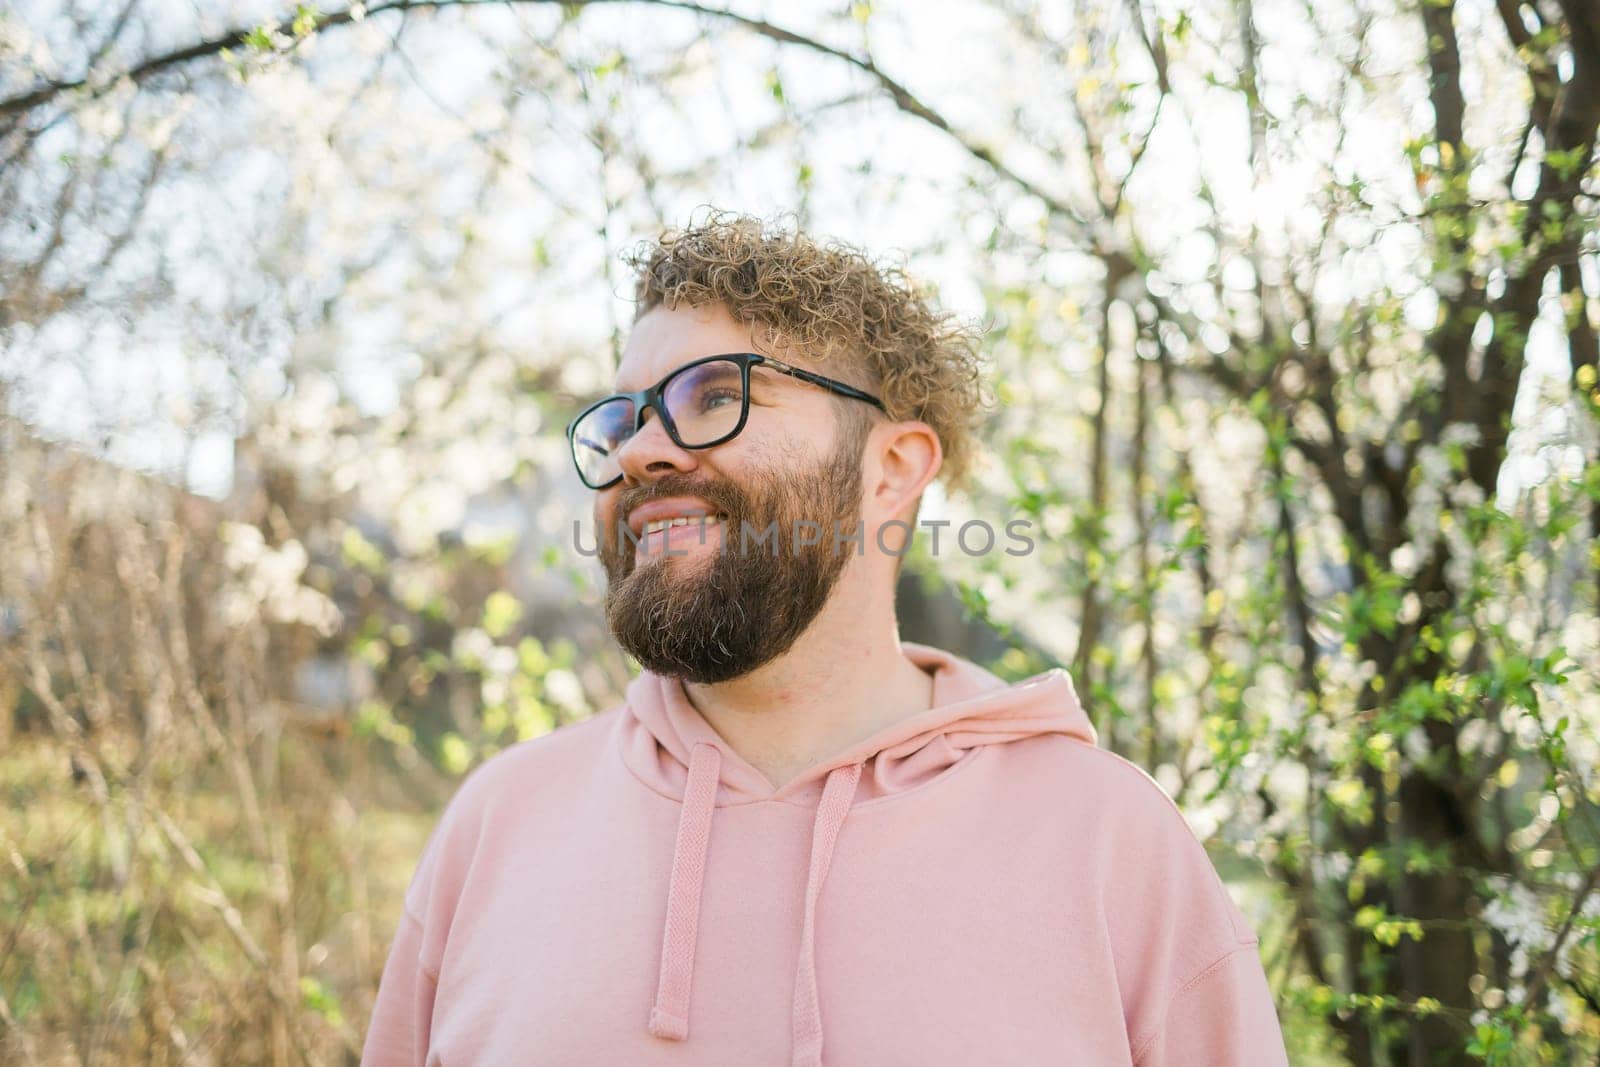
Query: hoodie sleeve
column 401, row 1027
column 403, row 1013
column 1187, row 958
column 1224, row 1016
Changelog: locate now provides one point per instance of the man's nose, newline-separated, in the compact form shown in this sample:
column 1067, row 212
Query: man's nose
column 651, row 452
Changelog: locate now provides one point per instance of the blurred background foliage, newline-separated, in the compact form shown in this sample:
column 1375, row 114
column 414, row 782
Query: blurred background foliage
column 1292, row 312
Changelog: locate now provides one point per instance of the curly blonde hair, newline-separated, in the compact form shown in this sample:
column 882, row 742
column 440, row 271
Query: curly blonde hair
column 832, row 302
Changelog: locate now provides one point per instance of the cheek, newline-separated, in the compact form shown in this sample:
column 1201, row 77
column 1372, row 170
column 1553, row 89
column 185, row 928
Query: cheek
column 756, row 466
column 749, row 454
column 776, row 449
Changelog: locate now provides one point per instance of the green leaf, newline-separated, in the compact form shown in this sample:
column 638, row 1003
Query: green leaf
column 317, row 997
column 305, row 21
column 501, row 612
column 455, row 755
column 260, row 38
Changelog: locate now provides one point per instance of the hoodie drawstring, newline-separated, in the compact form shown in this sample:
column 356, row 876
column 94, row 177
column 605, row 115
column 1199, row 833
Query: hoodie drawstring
column 836, row 798
column 669, row 1018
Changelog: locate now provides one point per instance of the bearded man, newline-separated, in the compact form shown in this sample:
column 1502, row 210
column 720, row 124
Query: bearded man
column 799, row 838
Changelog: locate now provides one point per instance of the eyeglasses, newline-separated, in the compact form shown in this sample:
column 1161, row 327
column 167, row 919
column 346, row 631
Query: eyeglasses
column 703, row 403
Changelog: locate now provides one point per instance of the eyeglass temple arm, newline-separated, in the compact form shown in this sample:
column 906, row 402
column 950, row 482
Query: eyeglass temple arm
column 826, row 383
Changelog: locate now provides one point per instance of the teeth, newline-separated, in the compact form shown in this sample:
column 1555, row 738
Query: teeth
column 681, row 520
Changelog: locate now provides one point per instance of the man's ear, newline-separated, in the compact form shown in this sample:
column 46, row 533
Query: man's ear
column 907, row 456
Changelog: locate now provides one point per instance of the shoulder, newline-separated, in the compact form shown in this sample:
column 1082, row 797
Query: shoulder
column 1168, row 918
column 1149, row 867
column 1102, row 793
column 538, row 764
column 504, row 789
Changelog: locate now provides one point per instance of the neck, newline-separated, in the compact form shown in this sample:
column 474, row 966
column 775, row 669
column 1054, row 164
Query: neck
column 844, row 680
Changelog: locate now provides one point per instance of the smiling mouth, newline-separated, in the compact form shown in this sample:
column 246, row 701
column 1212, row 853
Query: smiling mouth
column 682, row 520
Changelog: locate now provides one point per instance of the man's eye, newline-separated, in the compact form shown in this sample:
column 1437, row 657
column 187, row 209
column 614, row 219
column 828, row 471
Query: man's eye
column 717, row 398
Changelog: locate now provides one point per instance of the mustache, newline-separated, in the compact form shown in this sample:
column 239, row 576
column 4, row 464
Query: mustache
column 720, row 495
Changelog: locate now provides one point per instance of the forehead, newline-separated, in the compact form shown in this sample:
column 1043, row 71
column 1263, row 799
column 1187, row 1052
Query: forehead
column 665, row 339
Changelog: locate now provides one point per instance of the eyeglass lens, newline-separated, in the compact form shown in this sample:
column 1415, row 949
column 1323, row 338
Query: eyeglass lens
column 703, row 401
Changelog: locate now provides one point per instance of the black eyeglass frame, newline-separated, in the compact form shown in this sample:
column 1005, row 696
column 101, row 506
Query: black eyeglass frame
column 652, row 398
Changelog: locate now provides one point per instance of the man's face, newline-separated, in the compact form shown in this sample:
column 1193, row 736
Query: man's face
column 699, row 601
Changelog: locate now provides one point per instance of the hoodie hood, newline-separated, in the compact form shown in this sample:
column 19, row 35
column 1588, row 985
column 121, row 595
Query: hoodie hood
column 673, row 750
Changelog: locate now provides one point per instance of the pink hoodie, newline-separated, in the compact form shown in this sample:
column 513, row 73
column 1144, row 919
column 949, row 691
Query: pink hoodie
column 977, row 883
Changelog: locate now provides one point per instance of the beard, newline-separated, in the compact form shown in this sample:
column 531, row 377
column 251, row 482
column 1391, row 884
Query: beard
column 712, row 620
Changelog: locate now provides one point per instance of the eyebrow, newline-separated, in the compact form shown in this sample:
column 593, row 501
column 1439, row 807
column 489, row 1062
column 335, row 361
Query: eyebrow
column 619, row 387
column 766, row 375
